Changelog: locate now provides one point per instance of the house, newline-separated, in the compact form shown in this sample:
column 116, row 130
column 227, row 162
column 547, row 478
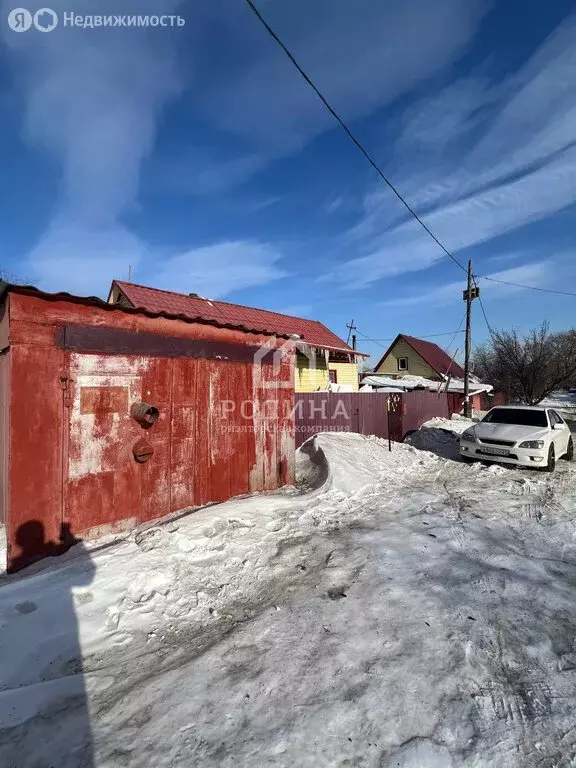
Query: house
column 408, row 356
column 323, row 360
column 411, row 363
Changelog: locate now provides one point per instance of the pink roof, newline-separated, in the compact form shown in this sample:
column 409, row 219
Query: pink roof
column 311, row 332
column 437, row 359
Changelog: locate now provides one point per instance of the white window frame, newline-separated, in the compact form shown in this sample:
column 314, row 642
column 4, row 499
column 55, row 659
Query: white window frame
column 405, row 367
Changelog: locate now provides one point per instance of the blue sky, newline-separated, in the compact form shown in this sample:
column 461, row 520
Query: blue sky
column 199, row 156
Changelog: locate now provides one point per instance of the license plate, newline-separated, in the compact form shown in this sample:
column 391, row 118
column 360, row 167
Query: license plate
column 496, row 451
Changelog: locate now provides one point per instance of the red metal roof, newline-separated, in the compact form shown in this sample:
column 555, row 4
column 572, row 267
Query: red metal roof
column 431, row 353
column 311, row 332
column 30, row 290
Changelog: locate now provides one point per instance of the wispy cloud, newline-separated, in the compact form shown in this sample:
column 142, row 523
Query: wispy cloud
column 361, row 60
column 496, row 157
column 92, row 100
column 216, row 270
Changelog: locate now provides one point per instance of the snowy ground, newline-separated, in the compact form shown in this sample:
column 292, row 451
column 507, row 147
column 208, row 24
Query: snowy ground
column 407, row 610
column 564, row 403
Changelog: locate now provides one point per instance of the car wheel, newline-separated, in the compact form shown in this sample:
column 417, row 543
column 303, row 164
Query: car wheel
column 569, row 455
column 551, row 465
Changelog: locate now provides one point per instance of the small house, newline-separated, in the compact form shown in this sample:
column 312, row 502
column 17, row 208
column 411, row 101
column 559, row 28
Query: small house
column 323, row 360
column 408, row 356
column 410, row 364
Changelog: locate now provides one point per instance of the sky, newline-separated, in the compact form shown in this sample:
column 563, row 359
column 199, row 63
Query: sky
column 197, row 157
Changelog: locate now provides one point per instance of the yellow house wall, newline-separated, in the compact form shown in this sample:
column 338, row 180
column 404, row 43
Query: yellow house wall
column 416, row 365
column 346, row 373
column 312, row 380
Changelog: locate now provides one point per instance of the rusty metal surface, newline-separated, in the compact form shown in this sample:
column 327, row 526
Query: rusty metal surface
column 223, row 428
column 118, row 341
column 94, row 301
column 4, row 434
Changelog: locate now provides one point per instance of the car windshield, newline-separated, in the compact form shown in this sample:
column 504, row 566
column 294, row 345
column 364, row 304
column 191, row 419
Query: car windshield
column 516, row 416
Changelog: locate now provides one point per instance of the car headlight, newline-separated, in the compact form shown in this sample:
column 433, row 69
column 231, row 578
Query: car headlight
column 468, row 437
column 532, row 444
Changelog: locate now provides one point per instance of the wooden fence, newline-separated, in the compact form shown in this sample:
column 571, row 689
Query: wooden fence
column 367, row 412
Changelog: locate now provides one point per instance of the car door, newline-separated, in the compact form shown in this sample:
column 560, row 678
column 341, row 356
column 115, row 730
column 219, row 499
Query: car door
column 560, row 434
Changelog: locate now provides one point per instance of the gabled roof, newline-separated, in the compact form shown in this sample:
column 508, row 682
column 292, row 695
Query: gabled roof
column 437, row 359
column 311, row 332
column 95, row 301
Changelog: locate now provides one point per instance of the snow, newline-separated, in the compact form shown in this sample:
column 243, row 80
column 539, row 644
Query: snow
column 563, row 402
column 441, row 436
column 399, row 609
column 378, row 382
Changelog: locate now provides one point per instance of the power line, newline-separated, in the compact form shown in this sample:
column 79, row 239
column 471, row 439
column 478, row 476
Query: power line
column 351, row 136
column 384, row 346
column 376, row 167
column 431, row 336
column 491, row 332
column 485, row 317
column 456, row 332
column 529, row 287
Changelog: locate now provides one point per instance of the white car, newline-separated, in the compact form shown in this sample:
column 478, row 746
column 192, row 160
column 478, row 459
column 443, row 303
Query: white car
column 525, row 436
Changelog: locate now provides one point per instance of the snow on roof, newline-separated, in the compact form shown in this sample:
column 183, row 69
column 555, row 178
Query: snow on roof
column 439, row 360
column 312, row 332
column 407, row 383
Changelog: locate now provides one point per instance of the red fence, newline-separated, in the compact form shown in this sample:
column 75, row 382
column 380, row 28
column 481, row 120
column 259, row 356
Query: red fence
column 366, row 412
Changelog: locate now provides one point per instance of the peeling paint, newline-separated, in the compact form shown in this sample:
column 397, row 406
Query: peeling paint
column 73, row 410
column 92, row 433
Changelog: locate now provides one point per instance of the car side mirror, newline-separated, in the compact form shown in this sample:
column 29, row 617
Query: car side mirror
column 558, row 426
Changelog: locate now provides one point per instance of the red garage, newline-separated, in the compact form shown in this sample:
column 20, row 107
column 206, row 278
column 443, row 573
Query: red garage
column 112, row 416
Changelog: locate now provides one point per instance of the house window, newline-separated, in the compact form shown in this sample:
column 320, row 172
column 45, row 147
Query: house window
column 332, row 373
column 402, row 363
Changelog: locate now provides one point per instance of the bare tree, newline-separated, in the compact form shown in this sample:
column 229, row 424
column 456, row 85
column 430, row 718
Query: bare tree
column 528, row 368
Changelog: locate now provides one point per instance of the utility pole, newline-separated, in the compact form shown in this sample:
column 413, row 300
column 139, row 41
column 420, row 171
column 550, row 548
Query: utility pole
column 472, row 292
column 351, row 328
column 353, row 341
column 129, row 273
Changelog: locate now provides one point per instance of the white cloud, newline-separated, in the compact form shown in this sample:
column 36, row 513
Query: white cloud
column 298, row 310
column 522, row 168
column 538, row 274
column 84, row 261
column 361, row 60
column 216, row 270
column 92, row 100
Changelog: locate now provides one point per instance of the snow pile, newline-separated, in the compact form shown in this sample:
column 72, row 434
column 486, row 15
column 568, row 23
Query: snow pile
column 440, row 436
column 404, row 611
column 376, row 382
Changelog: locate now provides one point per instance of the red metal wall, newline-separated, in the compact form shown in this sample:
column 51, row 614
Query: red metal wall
column 4, row 413
column 366, row 412
column 72, row 435
column 418, row 407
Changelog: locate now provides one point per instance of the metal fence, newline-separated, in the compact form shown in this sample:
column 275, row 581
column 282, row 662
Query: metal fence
column 370, row 413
